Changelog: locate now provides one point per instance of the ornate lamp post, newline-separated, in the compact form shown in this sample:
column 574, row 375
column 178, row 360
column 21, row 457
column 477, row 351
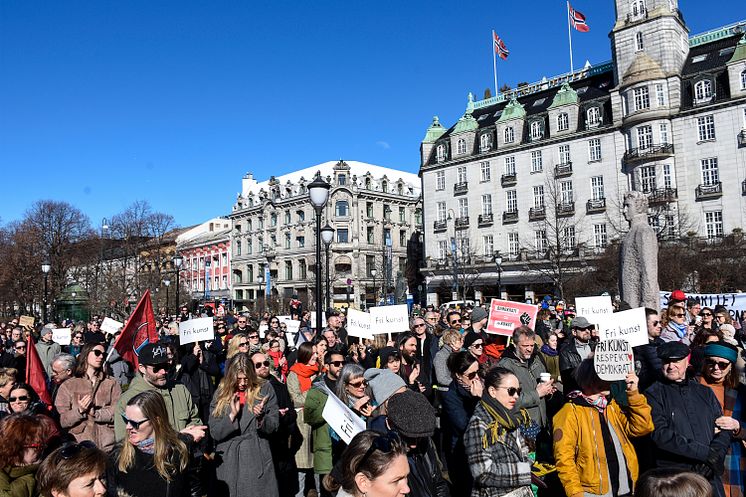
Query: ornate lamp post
column 373, row 273
column 207, row 277
column 178, row 260
column 167, row 282
column 499, row 266
column 45, row 268
column 327, row 234
column 318, row 194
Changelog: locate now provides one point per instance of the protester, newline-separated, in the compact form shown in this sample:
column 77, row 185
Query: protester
column 299, row 382
column 47, row 349
column 575, row 349
column 667, row 482
column 550, row 356
column 383, row 385
column 677, row 329
column 352, row 389
column 74, row 470
column 7, row 380
column 199, row 373
column 63, row 366
column 23, row 442
column 452, row 342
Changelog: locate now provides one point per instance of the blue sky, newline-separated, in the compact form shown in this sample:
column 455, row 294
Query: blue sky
column 106, row 102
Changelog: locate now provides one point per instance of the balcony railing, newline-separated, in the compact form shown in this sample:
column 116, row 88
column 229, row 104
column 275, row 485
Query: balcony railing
column 663, row 196
column 462, row 222
column 440, row 225
column 566, row 209
column 706, row 192
column 562, row 170
column 537, row 213
column 485, row 219
column 460, row 188
column 742, row 138
column 597, row 205
column 636, row 155
column 509, row 179
column 510, row 217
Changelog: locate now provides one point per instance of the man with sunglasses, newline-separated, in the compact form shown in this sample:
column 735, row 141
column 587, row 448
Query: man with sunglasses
column 154, row 375
column 647, row 363
column 427, row 348
column 453, row 319
column 242, row 325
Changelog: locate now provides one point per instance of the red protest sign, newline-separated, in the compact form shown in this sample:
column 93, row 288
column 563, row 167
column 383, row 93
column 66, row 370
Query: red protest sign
column 505, row 316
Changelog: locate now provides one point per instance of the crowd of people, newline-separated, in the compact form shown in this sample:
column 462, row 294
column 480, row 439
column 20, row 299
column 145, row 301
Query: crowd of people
column 449, row 409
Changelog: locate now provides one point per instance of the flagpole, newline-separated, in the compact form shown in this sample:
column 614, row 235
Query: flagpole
column 494, row 60
column 569, row 34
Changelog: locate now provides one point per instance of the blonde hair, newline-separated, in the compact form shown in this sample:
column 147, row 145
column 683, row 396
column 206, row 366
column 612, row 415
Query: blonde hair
column 451, row 336
column 239, row 363
column 233, row 344
column 7, row 375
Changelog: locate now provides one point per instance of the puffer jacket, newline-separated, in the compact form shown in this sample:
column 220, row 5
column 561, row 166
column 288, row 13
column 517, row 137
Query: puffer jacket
column 579, row 450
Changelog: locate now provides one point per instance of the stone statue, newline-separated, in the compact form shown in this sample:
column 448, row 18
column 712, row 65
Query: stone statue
column 638, row 271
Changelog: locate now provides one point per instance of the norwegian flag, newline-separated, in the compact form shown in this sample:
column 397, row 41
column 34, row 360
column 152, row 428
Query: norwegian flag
column 500, row 49
column 577, row 19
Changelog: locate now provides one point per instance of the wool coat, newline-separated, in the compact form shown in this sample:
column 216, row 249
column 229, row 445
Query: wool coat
column 243, row 458
column 97, row 424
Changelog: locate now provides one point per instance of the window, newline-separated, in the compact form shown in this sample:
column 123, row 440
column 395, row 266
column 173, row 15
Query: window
column 385, row 186
column 261, row 223
column 225, row 259
column 710, row 174
column 461, row 146
column 511, row 201
column 644, row 137
column 402, row 214
column 461, row 174
column 368, row 182
column 703, row 91
column 288, row 270
column 639, row 45
column 386, row 212
column 370, row 265
column 442, row 212
column 485, row 142
column 370, row 234
column 249, row 247
column 250, row 273
column 513, row 245
column 301, row 216
column 564, row 154
column 509, row 134
column 597, row 188
column 341, row 180
column 287, row 240
column 273, row 219
column 442, row 249
column 463, row 207
column 301, row 241
column 594, row 149
column 537, row 130
column 369, row 210
column 463, row 246
column 641, row 98
column 484, row 168
column 568, row 239
column 402, row 238
column 440, row 180
column 302, row 271
column 343, row 235
column 638, row 8
column 706, row 127
column 647, row 179
column 488, row 245
column 540, row 242
column 714, row 222
column 566, row 195
column 440, row 153
column 664, row 133
column 510, row 165
column 418, row 216
column 600, row 239
column 536, row 162
column 660, row 95
column 248, row 225
column 539, row 197
column 287, row 217
column 238, row 247
column 563, row 122
column 487, row 205
column 743, row 79
column 593, row 117
column 341, row 208
column 667, row 176
column 387, row 236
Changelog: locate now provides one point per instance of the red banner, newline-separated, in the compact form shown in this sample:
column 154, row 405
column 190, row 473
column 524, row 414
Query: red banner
column 505, row 316
column 139, row 331
column 36, row 376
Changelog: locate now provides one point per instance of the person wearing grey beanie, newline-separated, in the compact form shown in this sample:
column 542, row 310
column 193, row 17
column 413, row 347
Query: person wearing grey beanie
column 384, row 383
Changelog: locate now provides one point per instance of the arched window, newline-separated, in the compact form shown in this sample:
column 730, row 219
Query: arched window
column 384, row 186
column 440, row 153
column 461, row 146
column 743, row 79
column 485, row 142
column 537, row 130
column 703, row 90
column 509, row 134
column 638, row 7
column 342, row 208
column 593, row 116
column 563, row 122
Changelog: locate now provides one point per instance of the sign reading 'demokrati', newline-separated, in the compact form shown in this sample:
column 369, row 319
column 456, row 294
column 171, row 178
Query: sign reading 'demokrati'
column 594, row 309
column 358, row 324
column 613, row 359
column 630, row 325
column 196, row 330
column 506, row 315
column 389, row 319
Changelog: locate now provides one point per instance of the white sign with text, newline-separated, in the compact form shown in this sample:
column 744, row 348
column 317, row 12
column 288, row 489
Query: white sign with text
column 359, row 324
column 313, row 319
column 340, row 418
column 62, row 335
column 613, row 359
column 196, row 330
column 111, row 326
column 594, row 309
column 631, row 325
column 389, row 319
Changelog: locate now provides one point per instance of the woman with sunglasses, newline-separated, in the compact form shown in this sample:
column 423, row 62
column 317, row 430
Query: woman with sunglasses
column 677, row 328
column 352, row 389
column 459, row 402
column 243, row 415
column 76, row 343
column 373, row 465
column 238, row 343
column 592, row 436
column 498, row 439
column 708, row 320
column 23, row 443
column 87, row 402
column 719, row 372
column 153, row 458
column 74, row 470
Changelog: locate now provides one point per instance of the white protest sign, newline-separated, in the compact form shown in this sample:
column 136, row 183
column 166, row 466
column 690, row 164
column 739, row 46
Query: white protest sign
column 111, row 326
column 313, row 319
column 196, row 330
column 263, row 330
column 631, row 325
column 734, row 302
column 359, row 324
column 594, row 309
column 389, row 319
column 340, row 418
column 613, row 359
column 62, row 335
column 293, row 326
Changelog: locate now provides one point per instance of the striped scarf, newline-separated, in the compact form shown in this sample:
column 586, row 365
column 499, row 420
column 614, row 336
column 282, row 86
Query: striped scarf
column 503, row 421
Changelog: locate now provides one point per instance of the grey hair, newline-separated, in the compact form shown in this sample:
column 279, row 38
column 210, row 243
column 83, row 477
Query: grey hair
column 67, row 361
column 349, row 372
column 523, row 331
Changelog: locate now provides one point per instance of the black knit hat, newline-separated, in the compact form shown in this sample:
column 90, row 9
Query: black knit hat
column 411, row 415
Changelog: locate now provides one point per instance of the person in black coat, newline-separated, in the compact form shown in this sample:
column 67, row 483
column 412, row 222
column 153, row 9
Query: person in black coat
column 198, row 372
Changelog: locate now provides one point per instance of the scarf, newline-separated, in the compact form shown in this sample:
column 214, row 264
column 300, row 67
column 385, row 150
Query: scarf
column 276, row 356
column 547, row 350
column 599, row 403
column 502, row 420
column 147, row 445
column 679, row 329
column 305, row 374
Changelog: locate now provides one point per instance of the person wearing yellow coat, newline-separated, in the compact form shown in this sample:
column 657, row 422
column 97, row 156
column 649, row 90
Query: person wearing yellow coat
column 592, row 448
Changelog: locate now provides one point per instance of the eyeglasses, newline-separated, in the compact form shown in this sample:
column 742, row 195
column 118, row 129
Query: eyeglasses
column 707, row 314
column 241, row 321
column 253, row 337
column 358, row 384
column 159, row 367
column 679, row 315
column 384, row 443
column 420, row 325
column 258, row 365
column 243, row 344
column 455, row 322
column 720, row 316
column 97, row 353
column 656, row 323
column 134, row 424
column 477, row 345
column 71, row 450
column 512, row 391
column 19, row 347
column 337, row 364
column 471, row 375
column 22, row 398
column 722, row 366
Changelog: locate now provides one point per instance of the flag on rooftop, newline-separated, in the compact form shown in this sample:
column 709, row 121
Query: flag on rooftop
column 500, row 49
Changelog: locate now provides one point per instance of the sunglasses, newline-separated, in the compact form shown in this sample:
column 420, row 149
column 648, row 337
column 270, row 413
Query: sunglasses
column 241, row 322
column 337, row 364
column 456, row 322
column 358, row 384
column 243, row 344
column 253, row 337
column 19, row 347
column 159, row 367
column 707, row 314
column 512, row 391
column 97, row 353
column 258, row 365
column 421, row 325
column 722, row 366
column 656, row 323
column 22, row 398
column 71, row 450
column 477, row 345
column 134, row 424
column 384, row 443
column 471, row 375
column 679, row 315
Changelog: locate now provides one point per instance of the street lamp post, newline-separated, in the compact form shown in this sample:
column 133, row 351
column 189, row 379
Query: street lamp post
column 178, row 260
column 327, row 234
column 207, row 278
column 499, row 266
column 167, row 282
column 375, row 288
column 45, row 268
column 318, row 194
column 259, row 292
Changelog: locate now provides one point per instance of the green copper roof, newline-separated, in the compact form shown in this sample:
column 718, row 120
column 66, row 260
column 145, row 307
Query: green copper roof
column 740, row 53
column 513, row 110
column 467, row 121
column 434, row 131
column 565, row 96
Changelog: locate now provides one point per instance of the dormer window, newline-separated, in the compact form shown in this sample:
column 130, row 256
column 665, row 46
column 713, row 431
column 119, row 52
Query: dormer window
column 461, row 146
column 341, row 179
column 440, row 154
column 703, row 91
column 593, row 117
column 563, row 122
column 385, row 186
column 485, row 142
column 367, row 183
column 509, row 134
column 537, row 130
column 638, row 8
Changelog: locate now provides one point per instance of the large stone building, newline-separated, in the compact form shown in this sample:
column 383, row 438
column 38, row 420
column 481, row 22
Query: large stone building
column 273, row 236
column 205, row 273
column 538, row 173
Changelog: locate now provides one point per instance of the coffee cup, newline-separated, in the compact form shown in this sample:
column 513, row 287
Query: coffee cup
column 545, row 377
